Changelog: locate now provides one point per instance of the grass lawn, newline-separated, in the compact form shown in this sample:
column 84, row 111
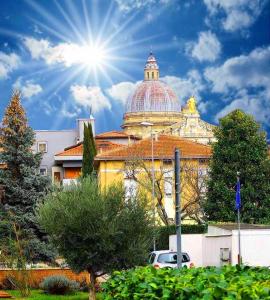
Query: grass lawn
column 39, row 295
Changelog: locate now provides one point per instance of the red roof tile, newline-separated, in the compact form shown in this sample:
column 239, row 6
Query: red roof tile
column 77, row 150
column 164, row 147
column 114, row 135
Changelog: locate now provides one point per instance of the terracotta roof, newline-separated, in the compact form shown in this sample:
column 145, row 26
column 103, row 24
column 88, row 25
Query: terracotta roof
column 164, row 148
column 114, row 135
column 77, row 150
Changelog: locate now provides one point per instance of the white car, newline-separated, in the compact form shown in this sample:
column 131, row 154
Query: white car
column 168, row 259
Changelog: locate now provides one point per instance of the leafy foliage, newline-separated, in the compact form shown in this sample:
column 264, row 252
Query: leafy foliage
column 59, row 285
column 228, row 282
column 89, row 151
column 163, row 233
column 39, row 295
column 241, row 146
column 97, row 231
column 23, row 185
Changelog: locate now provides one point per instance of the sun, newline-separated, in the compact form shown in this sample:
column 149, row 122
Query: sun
column 93, row 56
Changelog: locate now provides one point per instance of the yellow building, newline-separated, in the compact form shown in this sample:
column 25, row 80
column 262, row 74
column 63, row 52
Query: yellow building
column 134, row 155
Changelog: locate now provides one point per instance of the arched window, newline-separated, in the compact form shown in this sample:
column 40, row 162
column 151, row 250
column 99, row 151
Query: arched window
column 148, row 75
column 152, row 75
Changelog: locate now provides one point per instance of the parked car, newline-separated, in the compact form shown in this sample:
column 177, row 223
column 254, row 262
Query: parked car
column 168, row 259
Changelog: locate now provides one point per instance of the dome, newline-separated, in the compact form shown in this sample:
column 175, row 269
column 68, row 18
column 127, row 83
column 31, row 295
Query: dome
column 153, row 96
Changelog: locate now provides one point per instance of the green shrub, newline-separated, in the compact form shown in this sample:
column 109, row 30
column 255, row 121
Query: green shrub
column 163, row 233
column 228, row 282
column 59, row 285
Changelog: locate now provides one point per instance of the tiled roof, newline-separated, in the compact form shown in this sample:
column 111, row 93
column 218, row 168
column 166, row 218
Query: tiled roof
column 164, row 148
column 114, row 135
column 77, row 150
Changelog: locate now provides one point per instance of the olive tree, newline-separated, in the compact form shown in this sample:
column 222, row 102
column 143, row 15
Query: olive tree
column 97, row 230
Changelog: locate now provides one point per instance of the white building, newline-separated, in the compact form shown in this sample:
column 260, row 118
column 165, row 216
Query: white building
column 219, row 245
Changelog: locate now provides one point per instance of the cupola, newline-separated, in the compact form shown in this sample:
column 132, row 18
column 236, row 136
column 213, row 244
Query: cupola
column 151, row 69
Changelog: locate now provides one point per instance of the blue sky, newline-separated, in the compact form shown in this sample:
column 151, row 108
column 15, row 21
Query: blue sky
column 67, row 56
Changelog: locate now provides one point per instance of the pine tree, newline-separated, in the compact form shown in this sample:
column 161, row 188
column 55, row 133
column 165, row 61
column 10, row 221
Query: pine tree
column 23, row 184
column 89, row 151
column 241, row 147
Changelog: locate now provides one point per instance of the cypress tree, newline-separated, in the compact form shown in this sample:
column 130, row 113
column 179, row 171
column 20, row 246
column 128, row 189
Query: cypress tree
column 89, row 151
column 23, row 184
column 241, row 147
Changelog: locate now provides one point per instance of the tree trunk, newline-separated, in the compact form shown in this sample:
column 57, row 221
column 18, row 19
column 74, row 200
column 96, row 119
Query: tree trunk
column 92, row 289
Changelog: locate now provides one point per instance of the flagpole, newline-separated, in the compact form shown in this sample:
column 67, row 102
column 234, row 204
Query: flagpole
column 238, row 219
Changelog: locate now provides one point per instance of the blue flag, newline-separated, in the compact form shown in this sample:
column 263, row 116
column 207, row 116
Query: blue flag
column 238, row 196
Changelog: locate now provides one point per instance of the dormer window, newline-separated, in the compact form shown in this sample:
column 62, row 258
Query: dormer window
column 42, row 147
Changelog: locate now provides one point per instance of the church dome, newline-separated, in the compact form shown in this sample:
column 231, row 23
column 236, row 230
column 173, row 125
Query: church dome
column 152, row 95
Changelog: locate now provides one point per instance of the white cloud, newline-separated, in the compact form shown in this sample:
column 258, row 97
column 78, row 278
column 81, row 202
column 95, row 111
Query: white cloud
column 65, row 112
column 90, row 96
column 27, row 88
column 64, row 53
column 129, row 5
column 256, row 105
column 243, row 81
column 238, row 14
column 187, row 86
column 121, row 91
column 252, row 70
column 8, row 63
column 207, row 48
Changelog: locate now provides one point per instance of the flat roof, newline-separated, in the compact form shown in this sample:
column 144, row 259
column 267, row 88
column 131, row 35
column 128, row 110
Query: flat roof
column 234, row 226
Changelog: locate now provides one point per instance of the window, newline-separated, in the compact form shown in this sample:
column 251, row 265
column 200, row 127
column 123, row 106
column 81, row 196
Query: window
column 153, row 75
column 42, row 147
column 171, row 258
column 202, row 175
column 168, row 184
column 43, row 171
column 130, row 188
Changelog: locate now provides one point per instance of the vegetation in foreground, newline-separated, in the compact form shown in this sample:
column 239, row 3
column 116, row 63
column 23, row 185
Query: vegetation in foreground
column 97, row 231
column 211, row 283
column 39, row 295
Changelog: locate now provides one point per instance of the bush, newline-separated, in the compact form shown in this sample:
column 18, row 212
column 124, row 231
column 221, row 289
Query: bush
column 228, row 282
column 59, row 285
column 163, row 233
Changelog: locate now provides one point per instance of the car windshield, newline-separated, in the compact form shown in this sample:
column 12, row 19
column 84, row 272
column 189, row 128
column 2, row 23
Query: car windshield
column 171, row 258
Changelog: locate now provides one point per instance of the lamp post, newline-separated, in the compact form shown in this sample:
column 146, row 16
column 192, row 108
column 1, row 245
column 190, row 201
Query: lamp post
column 148, row 124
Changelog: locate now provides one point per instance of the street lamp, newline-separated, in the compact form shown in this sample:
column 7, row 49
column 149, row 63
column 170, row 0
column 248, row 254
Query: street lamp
column 148, row 124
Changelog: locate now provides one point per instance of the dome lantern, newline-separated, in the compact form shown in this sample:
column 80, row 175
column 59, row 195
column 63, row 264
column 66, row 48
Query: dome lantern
column 151, row 69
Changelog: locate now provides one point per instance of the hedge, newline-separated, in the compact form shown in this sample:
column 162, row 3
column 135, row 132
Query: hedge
column 211, row 283
column 163, row 233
